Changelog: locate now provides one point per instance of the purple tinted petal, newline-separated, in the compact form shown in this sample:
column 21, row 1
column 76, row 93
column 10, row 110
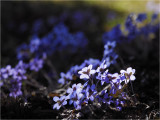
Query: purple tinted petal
column 70, row 102
column 93, row 87
column 102, row 82
column 62, row 98
column 58, row 107
column 91, row 98
column 69, row 90
column 78, row 107
column 64, row 103
column 55, row 105
column 61, row 80
column 56, row 98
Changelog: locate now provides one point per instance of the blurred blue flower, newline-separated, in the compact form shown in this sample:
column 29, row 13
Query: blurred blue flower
column 23, row 52
column 21, row 65
column 36, row 64
column 110, row 59
column 154, row 16
column 13, row 77
column 141, row 17
column 6, row 72
column 34, row 44
column 38, row 26
column 19, row 74
column 15, row 89
column 78, row 17
column 52, row 20
column 64, row 77
column 109, row 47
column 94, row 62
column 113, row 35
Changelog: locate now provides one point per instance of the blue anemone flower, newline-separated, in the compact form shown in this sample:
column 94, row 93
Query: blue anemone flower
column 113, row 35
column 141, row 17
column 6, row 72
column 64, row 77
column 90, row 92
column 59, row 102
column 75, row 89
column 34, row 44
column 36, row 64
column 109, row 47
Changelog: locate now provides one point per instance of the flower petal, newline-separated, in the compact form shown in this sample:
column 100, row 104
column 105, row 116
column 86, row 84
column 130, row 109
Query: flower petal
column 84, row 76
column 129, row 70
column 58, row 107
column 62, row 98
column 90, row 67
column 122, row 71
column 85, row 69
column 92, row 72
column 69, row 90
column 91, row 98
column 56, row 98
column 64, row 103
column 132, row 77
column 55, row 105
column 70, row 102
column 80, row 72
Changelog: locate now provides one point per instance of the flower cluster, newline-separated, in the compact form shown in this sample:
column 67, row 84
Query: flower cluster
column 72, row 74
column 109, row 58
column 91, row 81
column 13, row 77
column 113, row 94
column 57, row 40
column 109, row 54
column 94, row 71
column 37, row 51
column 75, row 95
column 134, row 26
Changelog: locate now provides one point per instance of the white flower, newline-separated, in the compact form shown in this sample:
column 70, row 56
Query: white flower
column 75, row 88
column 129, row 74
column 86, row 72
column 115, row 78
